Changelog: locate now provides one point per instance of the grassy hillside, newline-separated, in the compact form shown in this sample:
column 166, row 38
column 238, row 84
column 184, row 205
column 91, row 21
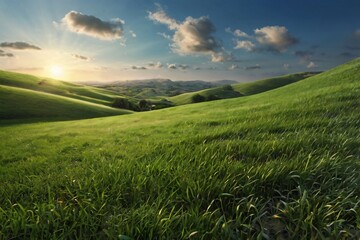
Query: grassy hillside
column 283, row 164
column 66, row 89
column 242, row 89
column 22, row 104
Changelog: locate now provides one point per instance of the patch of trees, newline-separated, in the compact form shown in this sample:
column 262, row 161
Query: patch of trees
column 125, row 103
column 198, row 98
column 141, row 105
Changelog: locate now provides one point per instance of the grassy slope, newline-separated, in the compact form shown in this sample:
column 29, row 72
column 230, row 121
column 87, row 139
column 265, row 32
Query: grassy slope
column 241, row 89
column 284, row 163
column 90, row 94
column 23, row 104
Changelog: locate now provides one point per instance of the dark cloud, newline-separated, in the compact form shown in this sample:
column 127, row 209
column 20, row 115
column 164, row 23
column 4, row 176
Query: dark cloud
column 5, row 54
column 138, row 67
column 19, row 46
column 81, row 57
column 93, row 26
column 257, row 66
column 156, row 65
column 275, row 38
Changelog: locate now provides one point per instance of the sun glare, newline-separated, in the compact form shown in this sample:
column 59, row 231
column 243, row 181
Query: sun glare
column 56, row 71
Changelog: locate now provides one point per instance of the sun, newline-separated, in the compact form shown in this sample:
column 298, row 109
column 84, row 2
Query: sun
column 56, row 71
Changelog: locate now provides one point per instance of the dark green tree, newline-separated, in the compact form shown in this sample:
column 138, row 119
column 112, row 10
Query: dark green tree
column 197, row 98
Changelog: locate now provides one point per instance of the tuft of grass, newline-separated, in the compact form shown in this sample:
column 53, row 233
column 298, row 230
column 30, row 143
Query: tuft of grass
column 283, row 164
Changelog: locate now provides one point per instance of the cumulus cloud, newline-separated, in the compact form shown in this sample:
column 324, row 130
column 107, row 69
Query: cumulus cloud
column 275, row 38
column 311, row 65
column 236, row 32
column 93, row 26
column 247, row 45
column 223, row 56
column 257, row 66
column 77, row 56
column 195, row 36
column 5, row 54
column 192, row 36
column 19, row 46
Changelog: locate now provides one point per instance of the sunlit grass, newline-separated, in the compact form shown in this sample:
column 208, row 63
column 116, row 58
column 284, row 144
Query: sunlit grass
column 281, row 165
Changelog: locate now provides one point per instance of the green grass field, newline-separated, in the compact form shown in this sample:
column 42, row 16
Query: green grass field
column 243, row 89
column 283, row 164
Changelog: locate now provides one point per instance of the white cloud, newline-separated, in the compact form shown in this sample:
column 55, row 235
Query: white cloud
column 247, row 45
column 132, row 33
column 93, row 26
column 275, row 38
column 237, row 32
column 160, row 16
column 171, row 66
column 233, row 67
column 311, row 65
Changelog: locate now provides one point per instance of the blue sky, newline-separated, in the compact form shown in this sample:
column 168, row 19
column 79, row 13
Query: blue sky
column 79, row 40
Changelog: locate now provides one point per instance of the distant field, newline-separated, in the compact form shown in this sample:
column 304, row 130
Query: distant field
column 282, row 164
column 241, row 89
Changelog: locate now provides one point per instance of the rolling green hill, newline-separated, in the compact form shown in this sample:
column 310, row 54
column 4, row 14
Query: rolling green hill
column 282, row 164
column 29, row 98
column 242, row 89
column 66, row 89
column 23, row 104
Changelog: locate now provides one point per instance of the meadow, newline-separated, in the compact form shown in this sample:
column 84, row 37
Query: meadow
column 282, row 164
